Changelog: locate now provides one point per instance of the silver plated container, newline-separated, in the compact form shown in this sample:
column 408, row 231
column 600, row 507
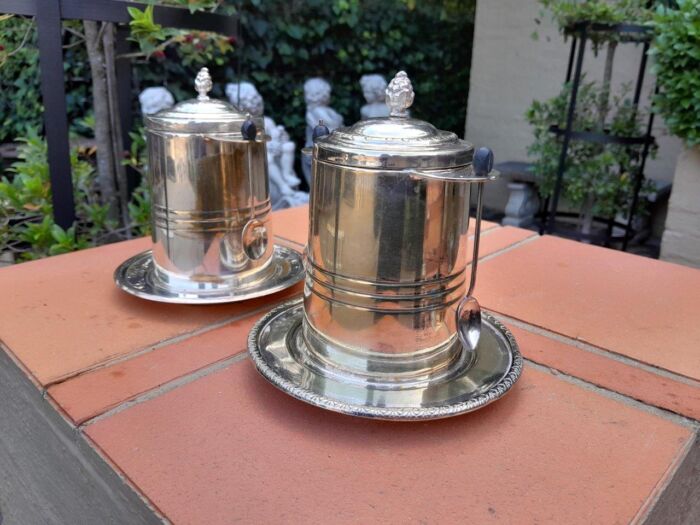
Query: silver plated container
column 387, row 251
column 380, row 334
column 210, row 216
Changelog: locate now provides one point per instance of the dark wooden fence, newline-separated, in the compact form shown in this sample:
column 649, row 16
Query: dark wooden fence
column 48, row 15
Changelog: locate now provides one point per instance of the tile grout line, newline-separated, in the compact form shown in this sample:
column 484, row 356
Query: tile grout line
column 596, row 350
column 663, row 413
column 166, row 342
column 243, row 355
column 510, row 247
column 167, row 387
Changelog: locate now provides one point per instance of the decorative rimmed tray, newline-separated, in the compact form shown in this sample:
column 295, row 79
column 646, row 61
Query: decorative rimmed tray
column 137, row 276
column 276, row 347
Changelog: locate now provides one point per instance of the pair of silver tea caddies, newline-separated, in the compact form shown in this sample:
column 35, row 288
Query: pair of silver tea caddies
column 387, row 327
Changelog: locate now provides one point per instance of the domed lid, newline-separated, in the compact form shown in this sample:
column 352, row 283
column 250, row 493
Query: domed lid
column 201, row 114
column 396, row 141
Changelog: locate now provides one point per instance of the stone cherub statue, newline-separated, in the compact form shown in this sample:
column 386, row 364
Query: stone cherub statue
column 280, row 149
column 155, row 99
column 373, row 87
column 317, row 95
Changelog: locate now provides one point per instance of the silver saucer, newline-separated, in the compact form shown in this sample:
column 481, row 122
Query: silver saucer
column 137, row 276
column 278, row 349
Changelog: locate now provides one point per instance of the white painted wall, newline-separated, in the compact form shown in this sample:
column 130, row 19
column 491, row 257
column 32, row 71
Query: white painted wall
column 510, row 69
column 681, row 238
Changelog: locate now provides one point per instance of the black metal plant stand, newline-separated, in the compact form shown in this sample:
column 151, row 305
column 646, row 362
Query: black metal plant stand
column 580, row 33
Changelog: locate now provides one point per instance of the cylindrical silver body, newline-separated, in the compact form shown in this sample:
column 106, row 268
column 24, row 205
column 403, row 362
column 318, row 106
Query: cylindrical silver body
column 387, row 258
column 209, row 193
column 387, row 250
column 205, row 190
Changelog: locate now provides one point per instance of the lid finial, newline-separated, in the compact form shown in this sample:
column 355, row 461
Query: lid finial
column 203, row 84
column 399, row 95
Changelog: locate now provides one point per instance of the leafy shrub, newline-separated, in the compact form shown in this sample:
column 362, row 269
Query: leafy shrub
column 676, row 52
column 287, row 42
column 20, row 100
column 567, row 13
column 20, row 96
column 27, row 228
column 604, row 173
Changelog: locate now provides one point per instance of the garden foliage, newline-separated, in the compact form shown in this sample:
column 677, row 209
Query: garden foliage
column 598, row 179
column 604, row 173
column 27, row 228
column 676, row 53
column 284, row 42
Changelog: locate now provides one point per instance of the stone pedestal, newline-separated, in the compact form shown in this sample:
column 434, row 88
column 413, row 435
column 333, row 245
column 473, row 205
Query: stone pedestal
column 522, row 204
column 681, row 238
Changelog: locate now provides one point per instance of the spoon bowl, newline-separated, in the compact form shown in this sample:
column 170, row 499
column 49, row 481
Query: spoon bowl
column 469, row 322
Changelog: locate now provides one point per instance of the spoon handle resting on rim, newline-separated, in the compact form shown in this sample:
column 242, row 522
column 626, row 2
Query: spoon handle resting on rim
column 468, row 313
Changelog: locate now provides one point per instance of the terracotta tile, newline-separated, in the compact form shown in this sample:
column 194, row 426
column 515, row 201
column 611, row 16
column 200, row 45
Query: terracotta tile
column 292, row 224
column 90, row 394
column 64, row 314
column 642, row 308
column 231, row 448
column 485, row 225
column 651, row 388
column 499, row 238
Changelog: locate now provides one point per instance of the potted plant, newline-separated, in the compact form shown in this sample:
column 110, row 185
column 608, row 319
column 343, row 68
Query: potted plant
column 598, row 177
column 676, row 54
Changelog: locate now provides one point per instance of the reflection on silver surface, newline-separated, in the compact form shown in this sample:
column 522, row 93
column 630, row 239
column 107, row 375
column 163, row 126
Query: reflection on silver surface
column 138, row 276
column 282, row 356
column 386, row 267
column 387, row 250
column 210, row 197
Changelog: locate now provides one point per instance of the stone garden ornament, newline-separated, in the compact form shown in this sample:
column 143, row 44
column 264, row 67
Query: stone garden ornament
column 155, row 99
column 373, row 87
column 317, row 95
column 280, row 149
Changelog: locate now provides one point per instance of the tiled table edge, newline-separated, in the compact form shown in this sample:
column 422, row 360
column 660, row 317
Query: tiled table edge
column 688, row 460
column 662, row 377
column 676, row 489
column 60, row 392
column 112, row 360
column 514, row 237
column 649, row 385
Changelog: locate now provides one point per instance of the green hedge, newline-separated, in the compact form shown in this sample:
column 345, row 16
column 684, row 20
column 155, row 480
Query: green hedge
column 284, row 43
column 676, row 53
column 287, row 42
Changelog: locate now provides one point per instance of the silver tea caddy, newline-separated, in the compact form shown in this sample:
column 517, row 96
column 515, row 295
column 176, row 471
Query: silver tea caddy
column 388, row 327
column 387, row 252
column 210, row 207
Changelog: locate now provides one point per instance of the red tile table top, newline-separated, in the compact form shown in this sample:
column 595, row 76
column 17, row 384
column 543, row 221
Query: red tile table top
column 230, row 448
column 647, row 385
column 640, row 308
column 169, row 397
column 63, row 315
column 93, row 393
